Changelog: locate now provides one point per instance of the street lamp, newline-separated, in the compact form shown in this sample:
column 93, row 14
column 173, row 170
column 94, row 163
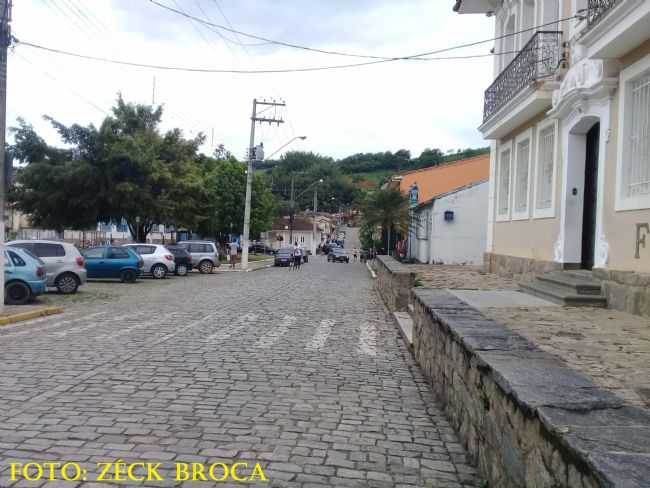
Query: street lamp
column 249, row 182
column 302, row 138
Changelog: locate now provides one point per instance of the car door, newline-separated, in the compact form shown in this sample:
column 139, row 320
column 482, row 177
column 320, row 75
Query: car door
column 53, row 255
column 147, row 254
column 95, row 262
column 118, row 258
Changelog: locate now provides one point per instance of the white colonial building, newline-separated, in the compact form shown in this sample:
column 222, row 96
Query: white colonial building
column 568, row 117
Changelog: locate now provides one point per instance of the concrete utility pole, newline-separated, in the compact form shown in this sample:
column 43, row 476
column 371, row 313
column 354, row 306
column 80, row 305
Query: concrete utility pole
column 5, row 40
column 313, row 231
column 249, row 174
column 291, row 205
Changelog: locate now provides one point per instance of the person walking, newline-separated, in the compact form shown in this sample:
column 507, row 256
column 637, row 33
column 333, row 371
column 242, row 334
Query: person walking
column 355, row 253
column 233, row 254
column 297, row 256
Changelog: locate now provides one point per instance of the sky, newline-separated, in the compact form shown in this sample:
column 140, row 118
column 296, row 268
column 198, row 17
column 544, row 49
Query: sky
column 384, row 107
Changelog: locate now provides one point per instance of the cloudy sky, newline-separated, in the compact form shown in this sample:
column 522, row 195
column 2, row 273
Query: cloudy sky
column 383, row 107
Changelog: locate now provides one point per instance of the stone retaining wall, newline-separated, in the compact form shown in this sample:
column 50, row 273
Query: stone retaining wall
column 394, row 282
column 628, row 291
column 525, row 419
column 524, row 269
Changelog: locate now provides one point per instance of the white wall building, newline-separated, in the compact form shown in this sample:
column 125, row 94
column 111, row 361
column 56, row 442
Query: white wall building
column 451, row 228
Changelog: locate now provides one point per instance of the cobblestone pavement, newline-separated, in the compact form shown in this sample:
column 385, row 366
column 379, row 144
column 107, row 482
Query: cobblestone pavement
column 612, row 347
column 301, row 371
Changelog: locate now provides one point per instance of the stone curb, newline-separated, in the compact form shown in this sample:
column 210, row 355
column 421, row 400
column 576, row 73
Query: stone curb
column 372, row 272
column 33, row 314
column 521, row 412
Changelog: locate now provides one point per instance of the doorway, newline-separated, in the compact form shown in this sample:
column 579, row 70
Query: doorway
column 590, row 197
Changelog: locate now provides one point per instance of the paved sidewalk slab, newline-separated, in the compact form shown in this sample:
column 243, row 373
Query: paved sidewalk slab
column 500, row 299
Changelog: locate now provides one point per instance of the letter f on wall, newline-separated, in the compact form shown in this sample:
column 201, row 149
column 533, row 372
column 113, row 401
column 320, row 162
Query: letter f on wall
column 640, row 239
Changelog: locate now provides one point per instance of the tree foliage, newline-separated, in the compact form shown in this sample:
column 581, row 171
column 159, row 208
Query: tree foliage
column 129, row 169
column 385, row 212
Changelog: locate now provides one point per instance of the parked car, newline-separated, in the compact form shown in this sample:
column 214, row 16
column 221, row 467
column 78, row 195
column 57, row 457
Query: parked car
column 64, row 264
column 25, row 276
column 260, row 248
column 205, row 255
column 283, row 257
column 113, row 262
column 338, row 255
column 182, row 258
column 158, row 260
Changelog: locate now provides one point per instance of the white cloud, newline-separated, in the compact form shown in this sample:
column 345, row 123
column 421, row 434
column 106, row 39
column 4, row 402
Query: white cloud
column 396, row 105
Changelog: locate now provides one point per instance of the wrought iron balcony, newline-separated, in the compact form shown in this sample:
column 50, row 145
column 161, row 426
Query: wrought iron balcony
column 538, row 60
column 596, row 10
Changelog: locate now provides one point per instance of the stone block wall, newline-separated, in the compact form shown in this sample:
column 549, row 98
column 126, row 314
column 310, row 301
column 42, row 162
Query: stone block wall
column 524, row 269
column 525, row 419
column 394, row 282
column 628, row 291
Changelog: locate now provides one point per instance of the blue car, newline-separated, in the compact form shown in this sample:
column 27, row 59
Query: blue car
column 25, row 276
column 122, row 263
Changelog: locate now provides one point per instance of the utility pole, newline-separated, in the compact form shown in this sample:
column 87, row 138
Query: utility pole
column 291, row 206
column 249, row 174
column 153, row 92
column 313, row 231
column 5, row 39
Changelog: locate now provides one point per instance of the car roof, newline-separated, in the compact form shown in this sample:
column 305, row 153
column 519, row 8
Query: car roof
column 39, row 241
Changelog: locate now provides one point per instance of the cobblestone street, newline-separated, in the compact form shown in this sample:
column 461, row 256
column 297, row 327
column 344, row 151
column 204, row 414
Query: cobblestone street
column 303, row 372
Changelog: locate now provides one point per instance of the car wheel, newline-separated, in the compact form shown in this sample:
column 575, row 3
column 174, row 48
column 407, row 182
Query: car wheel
column 181, row 270
column 158, row 271
column 67, row 284
column 205, row 267
column 128, row 276
column 17, row 293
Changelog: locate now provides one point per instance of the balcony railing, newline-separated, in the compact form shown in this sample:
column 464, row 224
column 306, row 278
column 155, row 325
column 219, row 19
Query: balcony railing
column 596, row 10
column 539, row 59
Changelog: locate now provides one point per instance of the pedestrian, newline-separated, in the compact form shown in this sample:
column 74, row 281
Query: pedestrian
column 297, row 256
column 355, row 252
column 233, row 254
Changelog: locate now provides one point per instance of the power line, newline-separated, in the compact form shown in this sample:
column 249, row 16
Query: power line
column 231, row 71
column 354, row 55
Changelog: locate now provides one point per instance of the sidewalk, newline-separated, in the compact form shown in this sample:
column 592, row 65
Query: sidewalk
column 611, row 347
column 252, row 266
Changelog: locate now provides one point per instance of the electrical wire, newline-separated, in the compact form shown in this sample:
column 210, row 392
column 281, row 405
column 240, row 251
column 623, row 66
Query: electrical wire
column 355, row 55
column 231, row 71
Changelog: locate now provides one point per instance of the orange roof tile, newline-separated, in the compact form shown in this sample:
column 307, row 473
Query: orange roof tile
column 436, row 180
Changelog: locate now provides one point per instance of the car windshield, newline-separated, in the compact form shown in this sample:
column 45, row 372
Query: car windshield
column 285, row 250
column 33, row 256
column 338, row 250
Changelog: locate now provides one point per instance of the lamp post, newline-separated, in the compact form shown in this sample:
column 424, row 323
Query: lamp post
column 293, row 203
column 252, row 156
column 302, row 138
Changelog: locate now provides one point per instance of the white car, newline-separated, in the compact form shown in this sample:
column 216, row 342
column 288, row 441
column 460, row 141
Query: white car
column 158, row 260
column 64, row 263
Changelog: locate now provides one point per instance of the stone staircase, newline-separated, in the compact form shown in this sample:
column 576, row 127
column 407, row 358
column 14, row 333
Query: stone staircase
column 570, row 288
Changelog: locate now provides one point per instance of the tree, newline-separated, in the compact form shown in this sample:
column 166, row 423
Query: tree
column 125, row 169
column 386, row 210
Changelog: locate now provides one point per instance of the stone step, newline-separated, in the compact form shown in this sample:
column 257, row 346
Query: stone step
column 558, row 294
column 405, row 325
column 574, row 283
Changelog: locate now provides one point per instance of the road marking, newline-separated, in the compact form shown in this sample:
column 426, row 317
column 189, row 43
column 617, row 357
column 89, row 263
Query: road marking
column 51, row 326
column 367, row 339
column 322, row 333
column 274, row 334
column 84, row 328
column 241, row 324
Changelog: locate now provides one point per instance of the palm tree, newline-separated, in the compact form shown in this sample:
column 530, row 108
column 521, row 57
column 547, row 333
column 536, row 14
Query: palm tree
column 387, row 209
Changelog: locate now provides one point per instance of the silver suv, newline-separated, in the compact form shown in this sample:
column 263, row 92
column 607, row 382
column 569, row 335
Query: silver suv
column 205, row 255
column 64, row 264
column 158, row 260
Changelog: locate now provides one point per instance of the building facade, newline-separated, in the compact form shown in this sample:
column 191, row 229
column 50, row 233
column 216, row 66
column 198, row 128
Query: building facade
column 451, row 228
column 568, row 117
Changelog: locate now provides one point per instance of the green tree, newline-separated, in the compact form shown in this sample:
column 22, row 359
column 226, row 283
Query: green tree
column 125, row 169
column 385, row 210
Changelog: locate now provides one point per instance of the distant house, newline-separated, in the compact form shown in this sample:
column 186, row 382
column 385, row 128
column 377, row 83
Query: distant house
column 451, row 228
column 282, row 234
column 458, row 190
